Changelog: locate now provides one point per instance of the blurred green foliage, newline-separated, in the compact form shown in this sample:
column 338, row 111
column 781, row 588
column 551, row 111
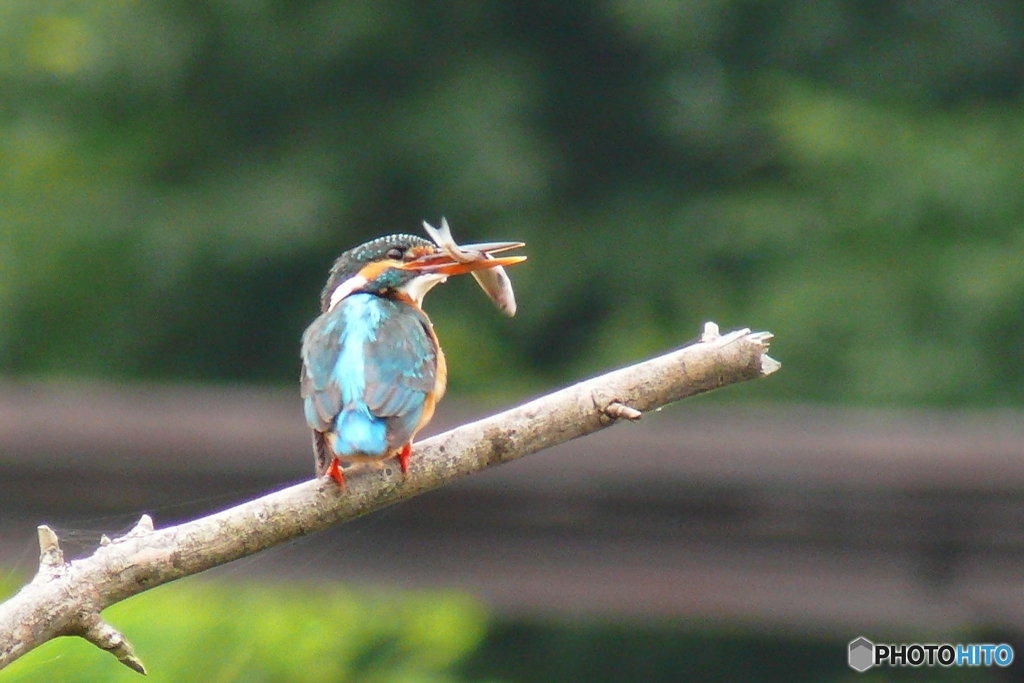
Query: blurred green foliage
column 223, row 631
column 244, row 631
column 176, row 177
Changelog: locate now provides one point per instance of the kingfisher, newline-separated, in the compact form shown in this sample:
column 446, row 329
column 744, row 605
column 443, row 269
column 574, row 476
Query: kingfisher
column 372, row 368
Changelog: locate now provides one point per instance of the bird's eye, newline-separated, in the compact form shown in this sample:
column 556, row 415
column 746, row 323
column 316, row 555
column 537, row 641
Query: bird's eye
column 395, row 253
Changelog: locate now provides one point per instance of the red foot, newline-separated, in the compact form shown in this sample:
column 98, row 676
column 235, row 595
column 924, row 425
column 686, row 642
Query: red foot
column 403, row 458
column 335, row 473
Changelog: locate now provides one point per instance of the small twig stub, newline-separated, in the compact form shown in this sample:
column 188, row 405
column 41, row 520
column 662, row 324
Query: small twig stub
column 617, row 411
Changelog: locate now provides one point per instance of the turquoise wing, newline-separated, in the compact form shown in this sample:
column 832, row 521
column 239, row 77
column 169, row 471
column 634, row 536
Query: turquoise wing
column 368, row 367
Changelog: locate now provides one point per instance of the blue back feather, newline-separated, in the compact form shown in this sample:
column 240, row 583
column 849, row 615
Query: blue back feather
column 368, row 367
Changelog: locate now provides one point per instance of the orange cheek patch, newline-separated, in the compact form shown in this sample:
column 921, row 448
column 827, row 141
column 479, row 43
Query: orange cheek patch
column 371, row 271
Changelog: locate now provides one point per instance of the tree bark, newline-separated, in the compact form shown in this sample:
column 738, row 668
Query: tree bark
column 67, row 598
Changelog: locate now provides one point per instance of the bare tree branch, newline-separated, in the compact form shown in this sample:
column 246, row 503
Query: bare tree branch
column 67, row 598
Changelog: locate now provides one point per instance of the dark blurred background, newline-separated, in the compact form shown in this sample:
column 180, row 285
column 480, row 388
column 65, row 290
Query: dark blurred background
column 176, row 177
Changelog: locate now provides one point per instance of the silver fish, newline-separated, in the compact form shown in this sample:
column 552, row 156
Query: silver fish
column 494, row 281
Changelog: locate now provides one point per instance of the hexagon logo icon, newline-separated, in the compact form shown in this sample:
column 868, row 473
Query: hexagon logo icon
column 862, row 654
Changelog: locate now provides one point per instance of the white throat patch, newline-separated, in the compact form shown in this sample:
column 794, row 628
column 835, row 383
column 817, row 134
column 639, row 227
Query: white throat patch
column 345, row 288
column 421, row 284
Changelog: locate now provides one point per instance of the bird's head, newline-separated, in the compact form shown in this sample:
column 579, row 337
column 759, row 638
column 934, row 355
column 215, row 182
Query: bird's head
column 403, row 265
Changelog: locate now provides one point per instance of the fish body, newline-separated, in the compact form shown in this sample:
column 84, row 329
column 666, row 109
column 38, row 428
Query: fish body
column 494, row 281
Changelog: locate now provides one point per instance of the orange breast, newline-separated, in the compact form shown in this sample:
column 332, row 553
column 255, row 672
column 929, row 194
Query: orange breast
column 440, row 384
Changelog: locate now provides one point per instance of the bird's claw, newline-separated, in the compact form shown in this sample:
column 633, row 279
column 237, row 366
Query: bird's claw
column 335, row 473
column 403, row 459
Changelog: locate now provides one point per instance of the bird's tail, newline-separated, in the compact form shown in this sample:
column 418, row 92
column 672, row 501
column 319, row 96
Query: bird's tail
column 359, row 432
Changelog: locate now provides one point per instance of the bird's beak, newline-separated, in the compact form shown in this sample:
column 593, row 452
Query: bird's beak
column 481, row 257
